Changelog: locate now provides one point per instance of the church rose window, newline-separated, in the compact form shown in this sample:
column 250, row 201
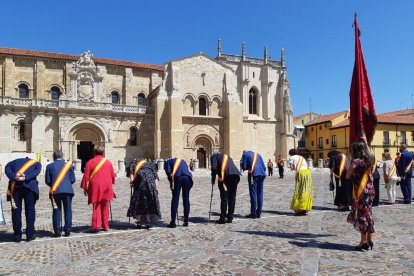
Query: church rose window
column 202, row 107
column 141, row 99
column 23, row 91
column 252, row 101
column 115, row 97
column 133, row 136
column 55, row 93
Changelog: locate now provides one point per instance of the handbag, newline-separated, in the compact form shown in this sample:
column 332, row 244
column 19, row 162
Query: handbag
column 331, row 185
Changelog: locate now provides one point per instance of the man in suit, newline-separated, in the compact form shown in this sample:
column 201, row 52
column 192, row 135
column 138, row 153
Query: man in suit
column 180, row 178
column 228, row 175
column 404, row 168
column 97, row 183
column 23, row 186
column 253, row 163
column 60, row 177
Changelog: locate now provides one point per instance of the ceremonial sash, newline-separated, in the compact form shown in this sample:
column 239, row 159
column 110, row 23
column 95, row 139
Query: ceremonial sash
column 254, row 162
column 138, row 167
column 175, row 168
column 12, row 185
column 341, row 167
column 408, row 167
column 299, row 164
column 63, row 172
column 223, row 167
column 392, row 171
column 374, row 167
column 357, row 191
column 100, row 164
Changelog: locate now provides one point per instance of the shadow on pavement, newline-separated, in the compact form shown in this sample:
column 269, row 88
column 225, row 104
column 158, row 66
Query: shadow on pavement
column 324, row 245
column 293, row 236
column 281, row 213
column 322, row 208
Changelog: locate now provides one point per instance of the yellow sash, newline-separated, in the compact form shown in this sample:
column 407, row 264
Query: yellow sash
column 60, row 177
column 175, row 168
column 138, row 167
column 374, row 167
column 12, row 185
column 341, row 167
column 100, row 164
column 223, row 167
column 299, row 164
column 254, row 163
column 357, row 191
column 392, row 171
column 408, row 167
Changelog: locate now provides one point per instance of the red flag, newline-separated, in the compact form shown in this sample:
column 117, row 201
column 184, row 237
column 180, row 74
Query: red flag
column 362, row 110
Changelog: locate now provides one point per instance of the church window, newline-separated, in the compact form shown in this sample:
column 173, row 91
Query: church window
column 21, row 130
column 252, row 101
column 23, row 91
column 141, row 99
column 55, row 93
column 115, row 97
column 202, row 107
column 133, row 136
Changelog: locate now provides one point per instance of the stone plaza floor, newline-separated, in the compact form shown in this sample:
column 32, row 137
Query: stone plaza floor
column 276, row 244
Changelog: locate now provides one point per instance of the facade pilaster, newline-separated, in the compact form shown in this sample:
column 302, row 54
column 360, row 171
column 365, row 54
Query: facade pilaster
column 9, row 81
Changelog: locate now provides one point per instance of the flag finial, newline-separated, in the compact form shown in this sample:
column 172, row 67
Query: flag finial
column 355, row 15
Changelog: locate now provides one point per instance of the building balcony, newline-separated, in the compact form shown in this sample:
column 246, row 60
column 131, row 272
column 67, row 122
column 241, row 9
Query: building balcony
column 386, row 141
column 75, row 105
column 301, row 144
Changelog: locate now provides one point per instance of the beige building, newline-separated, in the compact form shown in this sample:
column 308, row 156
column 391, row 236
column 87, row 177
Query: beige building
column 189, row 108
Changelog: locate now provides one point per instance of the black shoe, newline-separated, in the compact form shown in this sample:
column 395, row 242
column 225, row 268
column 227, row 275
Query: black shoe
column 185, row 224
column 371, row 244
column 258, row 216
column 94, row 231
column 139, row 225
column 148, row 225
column 171, row 225
column 17, row 240
column 229, row 220
column 32, row 238
column 57, row 235
column 67, row 234
column 361, row 247
column 251, row 216
column 221, row 221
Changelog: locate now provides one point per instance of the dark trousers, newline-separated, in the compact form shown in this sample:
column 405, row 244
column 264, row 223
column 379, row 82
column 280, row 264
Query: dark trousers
column 270, row 171
column 228, row 192
column 343, row 195
column 375, row 202
column 406, row 189
column 256, row 194
column 185, row 183
column 281, row 170
column 65, row 200
column 22, row 193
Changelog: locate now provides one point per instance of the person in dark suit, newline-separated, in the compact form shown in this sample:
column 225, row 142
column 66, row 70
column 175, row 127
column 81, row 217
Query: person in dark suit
column 404, row 168
column 253, row 163
column 179, row 177
column 228, row 175
column 338, row 169
column 23, row 186
column 60, row 177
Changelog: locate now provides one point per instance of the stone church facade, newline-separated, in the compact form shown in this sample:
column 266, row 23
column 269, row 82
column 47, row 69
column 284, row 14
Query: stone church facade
column 189, row 108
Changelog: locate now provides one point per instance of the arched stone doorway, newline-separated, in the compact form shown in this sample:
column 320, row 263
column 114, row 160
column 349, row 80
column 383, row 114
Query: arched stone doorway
column 84, row 138
column 204, row 150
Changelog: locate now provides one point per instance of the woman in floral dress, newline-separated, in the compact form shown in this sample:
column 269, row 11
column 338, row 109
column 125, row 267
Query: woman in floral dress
column 360, row 173
column 144, row 200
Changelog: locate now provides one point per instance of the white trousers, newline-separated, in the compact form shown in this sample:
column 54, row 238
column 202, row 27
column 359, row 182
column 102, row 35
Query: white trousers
column 390, row 186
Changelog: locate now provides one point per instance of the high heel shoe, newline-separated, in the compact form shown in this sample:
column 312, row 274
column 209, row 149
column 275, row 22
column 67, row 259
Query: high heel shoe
column 362, row 246
column 371, row 244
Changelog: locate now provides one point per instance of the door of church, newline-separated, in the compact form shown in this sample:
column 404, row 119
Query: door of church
column 85, row 152
column 201, row 156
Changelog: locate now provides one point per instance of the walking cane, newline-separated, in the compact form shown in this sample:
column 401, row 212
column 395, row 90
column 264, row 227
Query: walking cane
column 211, row 200
column 129, row 218
column 178, row 221
column 110, row 210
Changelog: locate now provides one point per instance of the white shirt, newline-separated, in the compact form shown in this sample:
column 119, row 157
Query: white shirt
column 294, row 160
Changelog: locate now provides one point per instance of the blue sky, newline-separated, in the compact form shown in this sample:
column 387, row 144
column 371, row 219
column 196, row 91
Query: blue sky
column 317, row 36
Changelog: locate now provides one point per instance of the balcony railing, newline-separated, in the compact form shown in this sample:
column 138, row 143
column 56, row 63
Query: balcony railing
column 301, row 144
column 69, row 104
column 320, row 146
column 386, row 141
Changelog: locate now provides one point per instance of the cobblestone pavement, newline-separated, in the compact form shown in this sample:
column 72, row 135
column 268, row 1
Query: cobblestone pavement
column 276, row 244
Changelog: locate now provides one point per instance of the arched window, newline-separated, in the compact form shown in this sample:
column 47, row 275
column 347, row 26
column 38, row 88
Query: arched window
column 202, row 107
column 252, row 101
column 133, row 136
column 23, row 91
column 55, row 93
column 115, row 97
column 141, row 99
column 21, row 132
